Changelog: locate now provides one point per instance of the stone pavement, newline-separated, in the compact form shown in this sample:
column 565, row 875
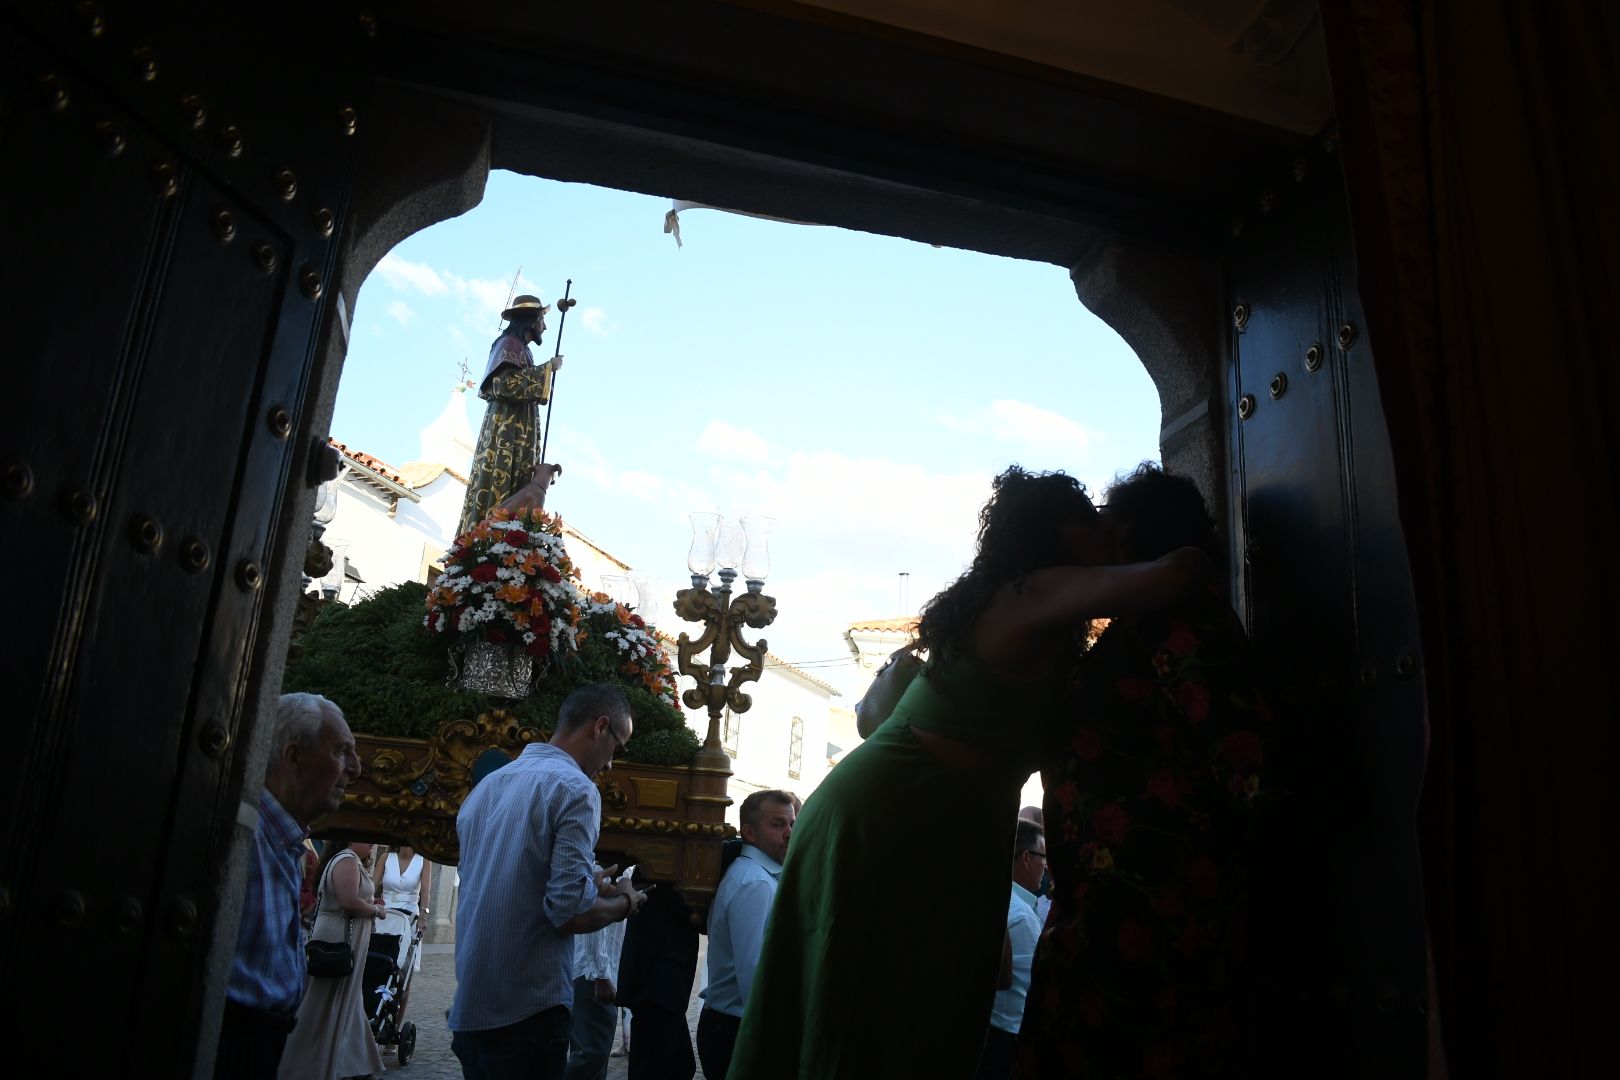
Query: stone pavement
column 431, row 991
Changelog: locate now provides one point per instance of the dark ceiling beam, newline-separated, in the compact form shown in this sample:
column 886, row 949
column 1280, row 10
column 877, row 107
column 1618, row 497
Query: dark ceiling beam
column 813, row 102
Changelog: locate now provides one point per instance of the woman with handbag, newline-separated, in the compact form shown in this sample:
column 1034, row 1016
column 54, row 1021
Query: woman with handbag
column 934, row 788
column 332, row 1039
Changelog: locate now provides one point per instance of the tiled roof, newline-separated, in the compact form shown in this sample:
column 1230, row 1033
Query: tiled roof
column 772, row 660
column 375, row 464
column 878, row 626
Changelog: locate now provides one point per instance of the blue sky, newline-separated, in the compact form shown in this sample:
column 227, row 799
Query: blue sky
column 860, row 389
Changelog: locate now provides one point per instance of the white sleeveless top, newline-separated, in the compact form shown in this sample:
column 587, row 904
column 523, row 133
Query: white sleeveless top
column 402, row 889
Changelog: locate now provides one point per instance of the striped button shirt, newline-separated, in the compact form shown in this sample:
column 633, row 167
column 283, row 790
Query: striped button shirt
column 527, row 832
column 268, row 969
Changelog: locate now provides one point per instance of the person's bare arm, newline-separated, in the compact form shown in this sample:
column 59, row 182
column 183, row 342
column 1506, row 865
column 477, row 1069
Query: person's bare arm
column 427, row 886
column 613, row 902
column 1063, row 597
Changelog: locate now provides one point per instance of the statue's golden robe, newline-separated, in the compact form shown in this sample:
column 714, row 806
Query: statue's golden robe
column 509, row 440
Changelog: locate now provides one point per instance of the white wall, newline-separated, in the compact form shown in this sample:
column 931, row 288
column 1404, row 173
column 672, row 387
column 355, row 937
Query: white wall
column 388, row 550
column 765, row 731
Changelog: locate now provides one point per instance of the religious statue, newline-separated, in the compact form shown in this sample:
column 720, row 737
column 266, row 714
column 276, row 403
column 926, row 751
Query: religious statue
column 508, row 443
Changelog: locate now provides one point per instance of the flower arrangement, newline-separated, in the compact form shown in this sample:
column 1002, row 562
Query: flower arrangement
column 632, row 642
column 509, row 580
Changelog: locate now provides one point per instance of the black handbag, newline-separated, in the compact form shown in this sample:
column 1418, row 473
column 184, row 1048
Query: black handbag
column 330, row 959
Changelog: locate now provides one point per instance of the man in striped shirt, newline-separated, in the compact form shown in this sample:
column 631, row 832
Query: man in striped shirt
column 528, row 832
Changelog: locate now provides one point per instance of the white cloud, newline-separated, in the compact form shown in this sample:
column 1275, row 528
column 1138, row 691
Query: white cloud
column 479, row 300
column 401, row 313
column 402, row 275
column 595, row 321
column 847, row 527
column 642, row 485
column 723, row 440
column 1053, row 436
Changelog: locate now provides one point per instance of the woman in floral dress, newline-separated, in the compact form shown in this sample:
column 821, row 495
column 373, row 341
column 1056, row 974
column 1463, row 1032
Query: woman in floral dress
column 1148, row 815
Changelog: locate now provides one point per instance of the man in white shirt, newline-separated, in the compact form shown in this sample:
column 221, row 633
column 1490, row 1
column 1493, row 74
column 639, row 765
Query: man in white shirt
column 737, row 918
column 1043, row 902
column 595, row 1016
column 527, row 833
column 1023, row 931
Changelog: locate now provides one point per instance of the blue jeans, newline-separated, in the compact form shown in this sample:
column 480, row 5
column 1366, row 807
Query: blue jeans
column 535, row 1048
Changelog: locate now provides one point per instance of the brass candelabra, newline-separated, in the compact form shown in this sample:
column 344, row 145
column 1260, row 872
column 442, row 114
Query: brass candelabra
column 723, row 615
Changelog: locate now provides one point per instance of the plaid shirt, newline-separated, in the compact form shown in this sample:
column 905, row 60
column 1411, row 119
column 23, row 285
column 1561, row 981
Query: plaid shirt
column 268, row 970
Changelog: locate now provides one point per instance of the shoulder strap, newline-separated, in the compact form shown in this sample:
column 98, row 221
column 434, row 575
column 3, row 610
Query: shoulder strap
column 320, row 895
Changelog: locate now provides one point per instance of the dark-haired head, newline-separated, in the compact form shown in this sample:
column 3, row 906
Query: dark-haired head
column 1029, row 523
column 1152, row 513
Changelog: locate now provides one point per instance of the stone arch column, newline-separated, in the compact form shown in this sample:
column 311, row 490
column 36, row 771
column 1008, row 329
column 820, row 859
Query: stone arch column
column 1167, row 308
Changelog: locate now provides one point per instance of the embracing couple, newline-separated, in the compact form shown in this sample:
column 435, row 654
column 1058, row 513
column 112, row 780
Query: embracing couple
column 1150, row 745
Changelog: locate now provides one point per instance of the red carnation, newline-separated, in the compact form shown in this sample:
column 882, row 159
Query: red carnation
column 550, row 573
column 537, row 647
column 637, row 622
column 1109, row 823
column 482, row 572
column 517, row 537
column 495, row 636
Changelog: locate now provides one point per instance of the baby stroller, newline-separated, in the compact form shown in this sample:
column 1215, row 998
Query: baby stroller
column 390, row 960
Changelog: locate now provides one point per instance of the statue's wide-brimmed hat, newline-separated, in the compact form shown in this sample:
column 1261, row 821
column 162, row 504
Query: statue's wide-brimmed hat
column 525, row 307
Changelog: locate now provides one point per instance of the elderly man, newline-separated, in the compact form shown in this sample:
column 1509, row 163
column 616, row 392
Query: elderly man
column 312, row 760
column 1023, row 932
column 742, row 907
column 527, row 885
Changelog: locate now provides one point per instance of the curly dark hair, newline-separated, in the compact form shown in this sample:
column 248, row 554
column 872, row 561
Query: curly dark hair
column 1164, row 511
column 1020, row 531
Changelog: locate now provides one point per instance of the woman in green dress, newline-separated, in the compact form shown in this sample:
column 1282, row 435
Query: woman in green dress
column 861, row 973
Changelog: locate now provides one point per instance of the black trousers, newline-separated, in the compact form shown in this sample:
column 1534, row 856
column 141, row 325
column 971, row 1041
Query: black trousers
column 660, row 1044
column 716, row 1039
column 1000, row 1048
column 535, row 1048
column 251, row 1042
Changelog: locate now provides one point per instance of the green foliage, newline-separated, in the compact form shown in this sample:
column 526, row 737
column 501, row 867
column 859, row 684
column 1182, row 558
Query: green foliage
column 668, row 746
column 387, row 673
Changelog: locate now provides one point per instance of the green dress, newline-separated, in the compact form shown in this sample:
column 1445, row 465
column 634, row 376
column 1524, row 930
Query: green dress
column 885, row 939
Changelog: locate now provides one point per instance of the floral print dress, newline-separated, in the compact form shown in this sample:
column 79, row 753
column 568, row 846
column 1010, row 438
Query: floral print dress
column 1147, row 812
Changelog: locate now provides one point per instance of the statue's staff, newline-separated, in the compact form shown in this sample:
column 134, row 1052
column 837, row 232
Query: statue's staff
column 562, row 305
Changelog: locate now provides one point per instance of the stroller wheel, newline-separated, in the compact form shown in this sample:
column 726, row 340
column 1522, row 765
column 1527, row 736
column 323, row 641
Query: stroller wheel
column 407, row 1042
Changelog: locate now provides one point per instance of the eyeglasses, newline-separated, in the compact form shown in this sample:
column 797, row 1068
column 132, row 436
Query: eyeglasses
column 1037, row 854
column 618, row 743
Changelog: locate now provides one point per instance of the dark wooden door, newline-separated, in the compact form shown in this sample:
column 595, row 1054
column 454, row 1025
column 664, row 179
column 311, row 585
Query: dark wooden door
column 172, row 208
column 1322, row 579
